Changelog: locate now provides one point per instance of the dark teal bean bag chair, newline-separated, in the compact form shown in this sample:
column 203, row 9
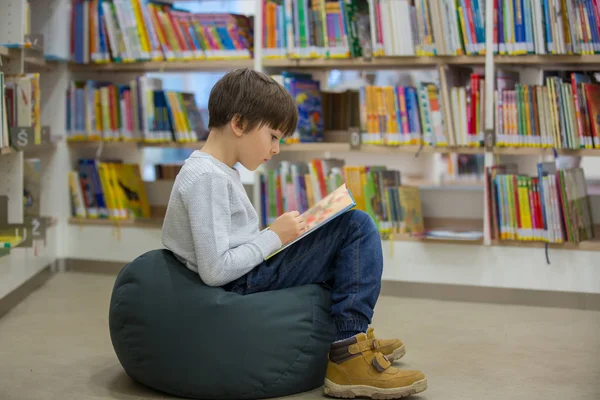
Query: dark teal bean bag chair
column 176, row 335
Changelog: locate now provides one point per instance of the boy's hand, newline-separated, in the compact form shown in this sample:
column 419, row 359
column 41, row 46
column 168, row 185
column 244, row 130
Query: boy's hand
column 289, row 226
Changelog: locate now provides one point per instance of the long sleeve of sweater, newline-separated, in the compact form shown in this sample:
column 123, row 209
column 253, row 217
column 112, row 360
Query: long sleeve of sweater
column 221, row 252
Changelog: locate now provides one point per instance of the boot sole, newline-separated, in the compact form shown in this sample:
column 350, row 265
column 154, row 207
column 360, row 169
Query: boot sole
column 352, row 391
column 397, row 354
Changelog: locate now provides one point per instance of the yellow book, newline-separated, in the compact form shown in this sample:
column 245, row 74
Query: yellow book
column 142, row 29
column 309, row 190
column 381, row 114
column 121, row 203
column 133, row 190
column 354, row 183
column 181, row 131
column 186, row 119
column 392, row 120
column 463, row 29
column 76, row 195
column 566, row 27
column 412, row 216
column 524, row 209
column 107, row 189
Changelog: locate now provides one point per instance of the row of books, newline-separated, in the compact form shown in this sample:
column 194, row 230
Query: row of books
column 140, row 110
column 20, row 105
column 351, row 28
column 139, row 30
column 552, row 207
column 310, row 29
column 108, row 190
column 396, row 209
column 134, row 30
column 564, row 113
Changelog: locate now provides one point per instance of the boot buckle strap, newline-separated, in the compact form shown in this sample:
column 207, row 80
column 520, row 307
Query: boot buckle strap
column 381, row 362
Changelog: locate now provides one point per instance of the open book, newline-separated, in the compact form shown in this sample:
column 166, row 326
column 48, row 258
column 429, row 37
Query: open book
column 333, row 205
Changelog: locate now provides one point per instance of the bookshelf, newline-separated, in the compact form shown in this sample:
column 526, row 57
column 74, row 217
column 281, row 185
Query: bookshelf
column 378, row 63
column 476, row 262
column 345, row 147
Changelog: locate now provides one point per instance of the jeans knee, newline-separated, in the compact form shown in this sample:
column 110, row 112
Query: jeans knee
column 364, row 220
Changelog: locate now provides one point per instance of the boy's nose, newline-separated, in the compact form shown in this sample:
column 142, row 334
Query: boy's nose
column 275, row 149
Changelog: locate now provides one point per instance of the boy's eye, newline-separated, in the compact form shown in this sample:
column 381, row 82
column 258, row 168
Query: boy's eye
column 274, row 137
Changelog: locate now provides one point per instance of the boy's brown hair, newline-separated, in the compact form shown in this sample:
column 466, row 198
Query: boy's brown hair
column 255, row 98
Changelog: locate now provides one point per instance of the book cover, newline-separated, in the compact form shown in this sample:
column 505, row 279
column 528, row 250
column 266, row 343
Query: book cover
column 330, row 207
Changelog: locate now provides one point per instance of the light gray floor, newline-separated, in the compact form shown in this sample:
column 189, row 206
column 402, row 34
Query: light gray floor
column 55, row 346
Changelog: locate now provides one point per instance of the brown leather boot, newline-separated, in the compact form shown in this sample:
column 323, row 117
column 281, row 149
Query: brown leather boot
column 356, row 369
column 393, row 349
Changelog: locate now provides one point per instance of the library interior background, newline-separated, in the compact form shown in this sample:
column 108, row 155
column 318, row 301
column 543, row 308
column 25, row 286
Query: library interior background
column 468, row 130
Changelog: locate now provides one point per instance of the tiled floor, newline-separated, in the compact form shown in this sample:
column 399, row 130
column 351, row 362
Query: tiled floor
column 55, row 346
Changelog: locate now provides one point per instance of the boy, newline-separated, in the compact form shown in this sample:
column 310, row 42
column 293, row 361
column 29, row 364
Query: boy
column 212, row 227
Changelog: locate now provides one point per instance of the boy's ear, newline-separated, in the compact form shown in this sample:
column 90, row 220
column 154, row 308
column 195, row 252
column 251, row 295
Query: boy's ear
column 237, row 125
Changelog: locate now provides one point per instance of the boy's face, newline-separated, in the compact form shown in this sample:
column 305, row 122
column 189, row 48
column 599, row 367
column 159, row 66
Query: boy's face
column 258, row 146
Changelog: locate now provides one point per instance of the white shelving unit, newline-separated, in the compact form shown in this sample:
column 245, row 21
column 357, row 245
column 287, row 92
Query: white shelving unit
column 487, row 265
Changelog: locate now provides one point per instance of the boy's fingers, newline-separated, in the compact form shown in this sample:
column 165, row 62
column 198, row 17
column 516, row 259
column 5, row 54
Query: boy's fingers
column 294, row 213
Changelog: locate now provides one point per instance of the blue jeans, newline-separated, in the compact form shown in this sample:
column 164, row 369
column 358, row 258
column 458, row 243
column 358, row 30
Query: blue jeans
column 345, row 254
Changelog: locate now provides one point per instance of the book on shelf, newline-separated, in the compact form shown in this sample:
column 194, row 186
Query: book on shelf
column 20, row 105
column 325, row 210
column 138, row 111
column 395, row 208
column 4, row 133
column 9, row 241
column 167, row 171
column 108, row 190
column 563, row 113
column 307, row 94
column 552, row 207
column 140, row 30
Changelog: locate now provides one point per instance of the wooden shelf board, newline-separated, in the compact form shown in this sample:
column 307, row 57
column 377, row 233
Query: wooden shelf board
column 323, row 146
column 298, row 147
column 379, row 62
column 478, row 242
column 543, row 59
column 366, row 148
column 352, row 63
column 33, row 60
column 34, row 148
column 588, row 245
column 166, row 66
column 536, row 151
column 139, row 223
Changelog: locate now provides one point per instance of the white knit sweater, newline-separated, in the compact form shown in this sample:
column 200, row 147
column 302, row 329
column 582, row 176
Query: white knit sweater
column 211, row 225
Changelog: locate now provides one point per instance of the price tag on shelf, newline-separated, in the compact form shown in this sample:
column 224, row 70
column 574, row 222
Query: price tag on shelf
column 21, row 137
column 46, row 139
column 355, row 138
column 35, row 228
column 35, row 41
column 489, row 140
